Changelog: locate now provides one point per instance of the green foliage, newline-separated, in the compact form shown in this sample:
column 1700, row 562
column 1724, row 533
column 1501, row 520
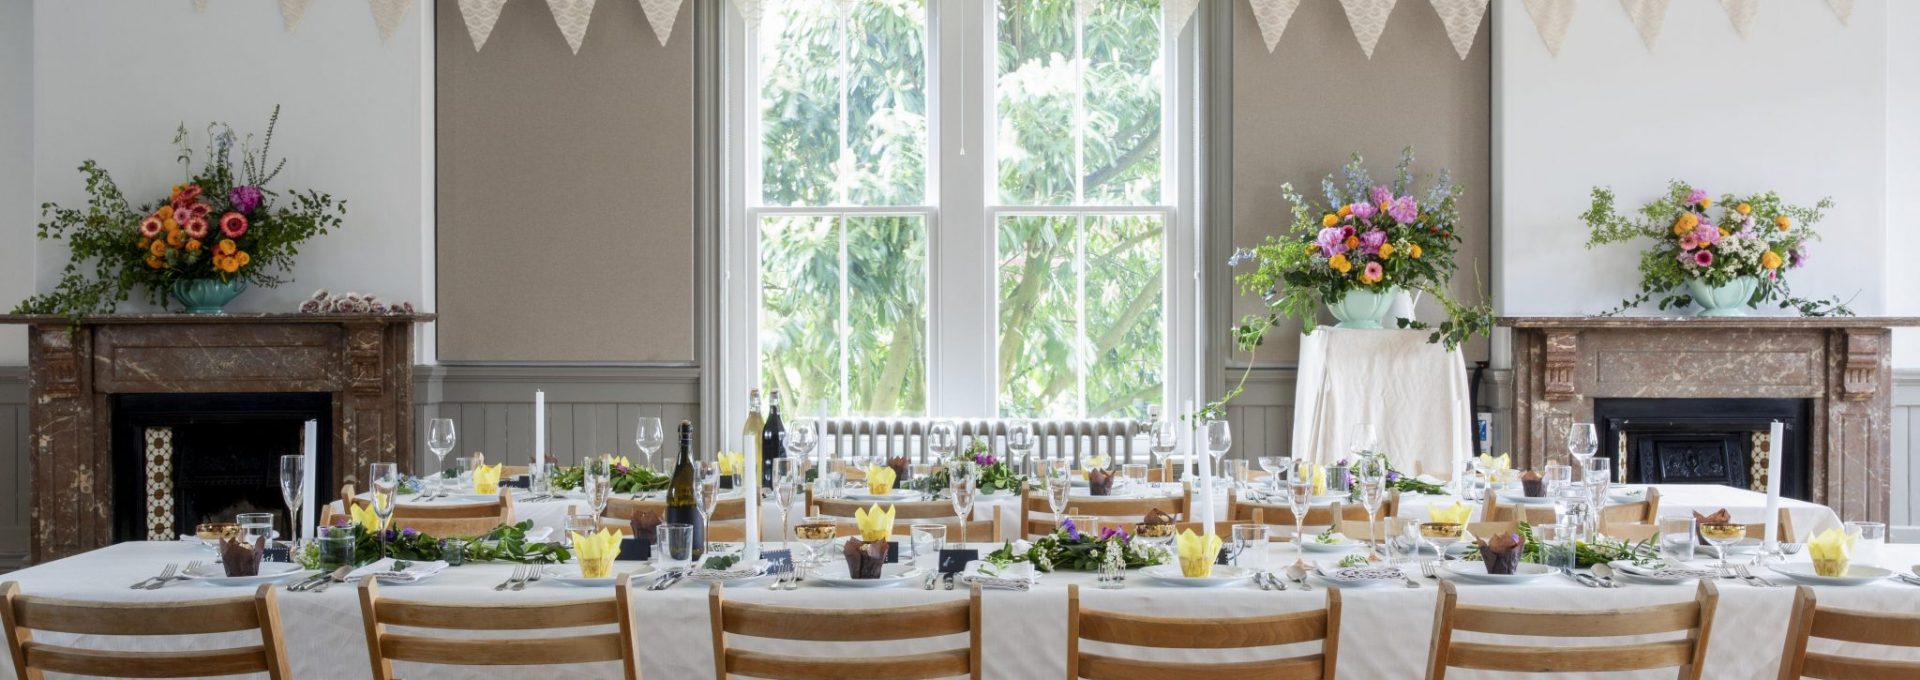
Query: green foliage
column 1601, row 550
column 996, row 476
column 1074, row 551
column 505, row 543
column 624, row 479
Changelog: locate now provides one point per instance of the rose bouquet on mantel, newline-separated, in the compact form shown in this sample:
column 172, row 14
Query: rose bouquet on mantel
column 213, row 235
column 1723, row 264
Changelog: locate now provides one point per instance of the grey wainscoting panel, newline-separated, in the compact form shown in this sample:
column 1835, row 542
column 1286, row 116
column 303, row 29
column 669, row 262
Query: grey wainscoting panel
column 1262, row 416
column 15, row 506
column 590, row 410
column 1903, row 513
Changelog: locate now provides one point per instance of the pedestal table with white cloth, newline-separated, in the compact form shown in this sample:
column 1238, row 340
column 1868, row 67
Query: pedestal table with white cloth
column 1413, row 392
column 1384, row 632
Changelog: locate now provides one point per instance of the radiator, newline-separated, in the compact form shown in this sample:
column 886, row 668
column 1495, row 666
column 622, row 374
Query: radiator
column 1069, row 439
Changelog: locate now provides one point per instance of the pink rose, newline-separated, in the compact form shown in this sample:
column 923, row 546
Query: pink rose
column 1703, row 258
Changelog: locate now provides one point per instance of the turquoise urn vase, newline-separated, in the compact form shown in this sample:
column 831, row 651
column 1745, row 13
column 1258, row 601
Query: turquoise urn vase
column 1359, row 308
column 208, row 296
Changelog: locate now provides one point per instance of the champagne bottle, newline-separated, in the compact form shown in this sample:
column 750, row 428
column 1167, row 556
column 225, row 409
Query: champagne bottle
column 773, row 440
column 750, row 438
column 682, row 507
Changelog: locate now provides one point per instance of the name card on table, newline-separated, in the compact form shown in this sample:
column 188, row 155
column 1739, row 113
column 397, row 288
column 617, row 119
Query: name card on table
column 520, row 482
column 635, row 549
column 778, row 561
column 954, row 560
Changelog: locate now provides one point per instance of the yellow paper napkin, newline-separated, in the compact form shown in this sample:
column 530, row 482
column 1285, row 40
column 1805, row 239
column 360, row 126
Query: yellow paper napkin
column 1319, row 480
column 729, row 462
column 880, row 480
column 596, row 552
column 1197, row 553
column 365, row 517
column 1831, row 551
column 1455, row 514
column 1504, row 461
column 486, row 479
column 875, row 524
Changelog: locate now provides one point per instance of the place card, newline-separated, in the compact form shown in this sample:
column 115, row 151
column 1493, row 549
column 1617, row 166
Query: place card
column 778, row 561
column 520, row 482
column 954, row 560
column 276, row 553
column 635, row 549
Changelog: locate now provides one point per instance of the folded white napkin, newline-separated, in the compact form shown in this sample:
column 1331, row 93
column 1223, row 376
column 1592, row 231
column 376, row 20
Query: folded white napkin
column 1018, row 576
column 1667, row 571
column 384, row 571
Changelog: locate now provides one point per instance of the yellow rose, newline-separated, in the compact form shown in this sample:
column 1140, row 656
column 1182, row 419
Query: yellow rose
column 1706, row 203
column 1329, row 220
column 1781, row 222
column 240, row 259
column 193, row 245
column 1413, row 251
column 1686, row 223
column 1770, row 260
column 1743, row 209
column 1386, row 250
column 1724, row 233
column 227, row 247
column 1340, row 264
column 1346, row 210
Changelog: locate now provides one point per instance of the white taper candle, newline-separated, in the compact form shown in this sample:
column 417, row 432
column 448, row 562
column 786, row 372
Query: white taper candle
column 1774, row 437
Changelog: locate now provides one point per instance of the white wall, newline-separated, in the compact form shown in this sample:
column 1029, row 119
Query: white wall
column 1800, row 107
column 17, row 211
column 115, row 77
column 1903, row 179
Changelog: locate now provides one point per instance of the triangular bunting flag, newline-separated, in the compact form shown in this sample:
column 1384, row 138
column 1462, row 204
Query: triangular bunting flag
column 480, row 16
column 1462, row 19
column 387, row 15
column 292, row 11
column 1369, row 20
column 1842, row 9
column 1741, row 12
column 199, row 5
column 1550, row 18
column 660, row 15
column 1175, row 13
column 1273, row 15
column 1648, row 16
column 572, row 17
column 750, row 10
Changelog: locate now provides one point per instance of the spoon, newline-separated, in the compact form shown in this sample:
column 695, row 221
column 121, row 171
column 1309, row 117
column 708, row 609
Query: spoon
column 1298, row 572
column 1606, row 575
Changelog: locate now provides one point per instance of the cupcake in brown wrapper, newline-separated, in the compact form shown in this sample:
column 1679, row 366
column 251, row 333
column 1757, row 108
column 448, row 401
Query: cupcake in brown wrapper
column 865, row 559
column 1532, row 485
column 240, row 559
column 899, row 465
column 1501, row 553
column 1099, row 482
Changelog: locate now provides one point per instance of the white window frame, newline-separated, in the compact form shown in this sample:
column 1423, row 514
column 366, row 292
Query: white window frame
column 961, row 215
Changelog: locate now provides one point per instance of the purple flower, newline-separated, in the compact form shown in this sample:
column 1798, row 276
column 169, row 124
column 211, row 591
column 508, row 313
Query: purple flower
column 1393, row 476
column 1114, row 532
column 408, row 533
column 1696, row 196
column 984, row 459
column 1379, row 195
column 390, row 534
column 1364, row 211
column 1073, row 532
column 1333, row 240
column 1371, row 241
column 1796, row 257
column 342, row 521
column 1404, row 210
column 619, row 469
column 1706, row 233
column 245, row 198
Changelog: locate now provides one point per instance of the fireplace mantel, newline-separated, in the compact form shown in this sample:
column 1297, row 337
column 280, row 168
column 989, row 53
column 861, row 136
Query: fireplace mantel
column 364, row 361
column 1562, row 364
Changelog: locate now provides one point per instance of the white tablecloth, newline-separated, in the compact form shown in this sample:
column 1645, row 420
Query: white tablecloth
column 1412, row 391
column 1385, row 630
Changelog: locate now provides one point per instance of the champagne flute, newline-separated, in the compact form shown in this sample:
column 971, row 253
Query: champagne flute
column 385, row 478
column 648, row 436
column 598, row 480
column 293, row 478
column 1166, row 439
column 1599, row 471
column 962, row 479
column 1583, row 441
column 1300, row 497
column 1059, row 477
column 706, row 497
column 943, row 438
column 1020, row 441
column 786, row 472
column 1371, row 472
column 440, row 441
column 1219, row 440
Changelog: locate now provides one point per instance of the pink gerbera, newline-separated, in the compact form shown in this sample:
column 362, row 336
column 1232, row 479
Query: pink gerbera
column 1373, row 272
column 1703, row 258
column 233, row 225
column 1689, row 241
column 196, row 227
column 151, row 226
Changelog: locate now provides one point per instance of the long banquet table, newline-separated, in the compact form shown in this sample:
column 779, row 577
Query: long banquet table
column 1384, row 631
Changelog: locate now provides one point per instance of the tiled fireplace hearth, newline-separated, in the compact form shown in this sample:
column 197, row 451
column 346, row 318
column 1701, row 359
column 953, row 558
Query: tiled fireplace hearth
column 1834, row 373
column 357, row 370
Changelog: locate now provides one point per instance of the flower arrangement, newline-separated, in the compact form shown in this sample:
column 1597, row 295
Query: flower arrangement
column 623, row 478
column 1600, row 550
column 505, row 543
column 1068, row 548
column 996, row 476
column 221, row 224
column 1755, row 238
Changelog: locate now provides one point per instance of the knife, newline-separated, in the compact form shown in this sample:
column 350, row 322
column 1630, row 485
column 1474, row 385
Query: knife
column 309, row 582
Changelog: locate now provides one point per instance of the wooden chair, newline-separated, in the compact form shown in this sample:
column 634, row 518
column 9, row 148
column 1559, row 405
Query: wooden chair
column 439, row 521
column 1640, row 531
column 718, row 531
column 1127, row 510
column 1495, row 511
column 813, row 624
column 506, row 471
column 1849, row 626
column 1644, row 512
column 1161, row 632
column 978, row 531
column 566, row 647
column 625, row 508
column 1686, row 654
column 24, row 614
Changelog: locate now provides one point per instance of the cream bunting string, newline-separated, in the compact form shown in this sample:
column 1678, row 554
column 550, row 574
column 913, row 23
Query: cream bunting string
column 292, row 11
column 1550, row 18
column 1647, row 16
column 387, row 15
column 1741, row 12
column 1462, row 19
column 660, row 15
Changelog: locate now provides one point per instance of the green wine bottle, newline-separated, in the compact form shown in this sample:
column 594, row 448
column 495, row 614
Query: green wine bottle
column 682, row 506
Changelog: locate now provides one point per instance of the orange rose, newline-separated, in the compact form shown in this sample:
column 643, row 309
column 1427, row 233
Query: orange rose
column 155, row 263
column 170, row 225
column 176, row 239
column 227, row 247
column 1743, row 209
column 1781, row 222
column 1345, row 210
column 1386, row 250
column 165, row 212
column 226, row 264
column 1329, row 220
column 242, row 258
column 1724, row 233
column 1384, row 207
column 1770, row 260
column 1353, row 242
column 193, row 245
column 1340, row 264
column 159, row 248
column 1413, row 251
column 1686, row 223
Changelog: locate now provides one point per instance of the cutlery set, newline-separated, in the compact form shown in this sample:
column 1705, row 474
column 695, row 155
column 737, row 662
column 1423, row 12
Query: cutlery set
column 170, row 573
column 667, row 580
column 318, row 583
column 936, row 579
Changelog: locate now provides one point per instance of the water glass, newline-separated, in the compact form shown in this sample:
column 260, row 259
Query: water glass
column 1557, row 547
column 454, row 551
column 336, row 547
column 1134, row 475
column 927, row 540
column 1250, row 545
column 1866, row 549
column 579, row 524
column 1572, row 509
column 1236, row 473
column 1402, row 539
column 673, row 545
column 1556, row 476
column 1676, row 538
column 254, row 526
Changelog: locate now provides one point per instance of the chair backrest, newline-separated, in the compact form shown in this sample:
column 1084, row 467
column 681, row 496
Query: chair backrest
column 718, row 531
column 478, row 459
column 1127, row 510
column 1159, row 632
column 441, row 521
column 841, row 507
column 1645, row 511
column 1686, row 654
column 1495, row 511
column 1849, row 626
column 625, row 508
column 1277, row 514
column 23, row 614
column 563, row 647
column 977, row 530
column 812, row 624
column 1640, row 531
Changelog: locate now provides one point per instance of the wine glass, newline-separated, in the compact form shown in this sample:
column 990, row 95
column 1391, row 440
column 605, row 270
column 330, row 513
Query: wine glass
column 1166, row 438
column 1274, row 467
column 1371, row 473
column 439, row 441
column 706, row 496
column 648, row 436
column 1020, row 441
column 802, row 436
column 293, row 479
column 385, row 478
column 597, row 483
column 963, row 479
column 1219, row 440
column 1583, row 441
column 786, row 474
column 1720, row 535
column 816, row 532
column 1059, row 477
column 1597, row 476
column 1362, row 439
column 1300, row 497
column 943, row 438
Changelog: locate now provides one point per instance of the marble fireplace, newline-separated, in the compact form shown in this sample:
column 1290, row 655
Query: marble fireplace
column 1698, row 392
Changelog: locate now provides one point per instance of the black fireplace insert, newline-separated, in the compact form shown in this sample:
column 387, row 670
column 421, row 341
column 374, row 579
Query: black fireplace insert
column 183, row 459
column 1705, row 441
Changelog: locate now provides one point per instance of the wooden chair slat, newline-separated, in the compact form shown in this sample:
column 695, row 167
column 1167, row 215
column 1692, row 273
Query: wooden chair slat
column 910, row 667
column 502, row 651
column 1099, row 667
column 1830, row 667
column 501, row 510
column 1532, row 659
column 1128, row 511
column 624, row 508
column 817, row 625
column 498, row 617
column 1163, row 632
column 1873, row 628
column 1596, row 623
column 136, row 618
column 101, row 663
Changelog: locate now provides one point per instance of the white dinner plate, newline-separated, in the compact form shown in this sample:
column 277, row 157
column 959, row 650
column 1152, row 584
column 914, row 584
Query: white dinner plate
column 1664, row 573
column 896, row 495
column 569, row 574
column 1521, row 498
column 1627, row 494
column 1355, row 577
column 1223, row 575
column 213, row 574
column 1857, row 574
column 890, row 575
column 1314, row 546
column 1476, row 572
column 452, row 499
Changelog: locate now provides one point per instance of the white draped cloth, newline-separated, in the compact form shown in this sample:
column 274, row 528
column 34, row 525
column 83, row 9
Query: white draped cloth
column 1414, row 393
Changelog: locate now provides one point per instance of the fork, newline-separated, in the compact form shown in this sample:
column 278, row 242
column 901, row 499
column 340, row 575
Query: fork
column 191, row 567
column 165, row 578
column 1752, row 580
column 1410, row 583
column 533, row 576
column 1427, row 570
column 165, row 574
column 930, row 579
column 510, row 579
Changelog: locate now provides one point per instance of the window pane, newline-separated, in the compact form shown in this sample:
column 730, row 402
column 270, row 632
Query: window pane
column 887, row 103
column 1125, row 314
column 800, row 308
column 1123, row 86
column 887, row 315
column 799, row 102
column 1035, row 88
column 1039, row 317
